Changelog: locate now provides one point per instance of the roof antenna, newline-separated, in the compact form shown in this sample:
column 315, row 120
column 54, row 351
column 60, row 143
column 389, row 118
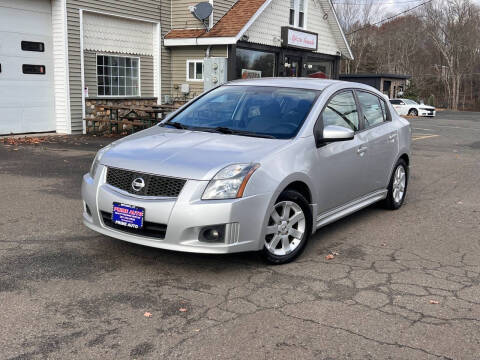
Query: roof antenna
column 202, row 12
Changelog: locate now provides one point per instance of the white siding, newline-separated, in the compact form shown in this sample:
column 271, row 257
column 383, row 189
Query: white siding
column 266, row 30
column 62, row 104
column 327, row 42
column 115, row 34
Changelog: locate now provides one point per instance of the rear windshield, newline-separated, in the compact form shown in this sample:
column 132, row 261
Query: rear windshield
column 250, row 110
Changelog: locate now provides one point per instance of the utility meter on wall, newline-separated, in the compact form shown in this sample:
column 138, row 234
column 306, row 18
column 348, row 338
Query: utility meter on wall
column 214, row 72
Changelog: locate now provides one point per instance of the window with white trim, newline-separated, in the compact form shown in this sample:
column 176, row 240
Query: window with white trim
column 118, row 75
column 194, row 70
column 297, row 13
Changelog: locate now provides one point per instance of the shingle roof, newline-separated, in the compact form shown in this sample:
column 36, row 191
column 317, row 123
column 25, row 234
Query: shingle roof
column 228, row 26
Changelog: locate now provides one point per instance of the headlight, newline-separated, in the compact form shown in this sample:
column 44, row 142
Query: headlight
column 230, row 182
column 96, row 161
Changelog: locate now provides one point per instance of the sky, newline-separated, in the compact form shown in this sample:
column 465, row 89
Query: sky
column 395, row 6
column 390, row 7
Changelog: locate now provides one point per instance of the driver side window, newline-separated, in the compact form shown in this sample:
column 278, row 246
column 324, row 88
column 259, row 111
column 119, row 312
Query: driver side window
column 341, row 110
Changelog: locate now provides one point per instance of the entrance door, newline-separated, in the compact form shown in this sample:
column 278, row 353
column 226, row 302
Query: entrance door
column 293, row 66
column 26, row 67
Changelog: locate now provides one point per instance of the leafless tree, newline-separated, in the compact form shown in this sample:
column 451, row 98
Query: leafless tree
column 355, row 19
column 438, row 44
column 453, row 27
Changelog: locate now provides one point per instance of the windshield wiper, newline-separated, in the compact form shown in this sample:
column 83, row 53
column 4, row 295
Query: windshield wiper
column 176, row 125
column 226, row 130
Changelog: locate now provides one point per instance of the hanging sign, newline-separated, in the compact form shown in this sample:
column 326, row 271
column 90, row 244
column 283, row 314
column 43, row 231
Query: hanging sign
column 300, row 39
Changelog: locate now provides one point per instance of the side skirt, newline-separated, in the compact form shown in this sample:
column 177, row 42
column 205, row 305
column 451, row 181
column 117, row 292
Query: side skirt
column 349, row 208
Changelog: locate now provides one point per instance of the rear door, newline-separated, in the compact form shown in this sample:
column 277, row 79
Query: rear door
column 381, row 140
column 340, row 165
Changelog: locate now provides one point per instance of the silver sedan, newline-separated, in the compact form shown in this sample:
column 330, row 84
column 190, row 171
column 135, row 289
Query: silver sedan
column 253, row 165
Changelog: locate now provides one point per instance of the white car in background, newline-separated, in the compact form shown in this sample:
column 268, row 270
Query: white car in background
column 412, row 108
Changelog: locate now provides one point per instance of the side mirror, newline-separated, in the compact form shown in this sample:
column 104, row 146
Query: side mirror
column 332, row 133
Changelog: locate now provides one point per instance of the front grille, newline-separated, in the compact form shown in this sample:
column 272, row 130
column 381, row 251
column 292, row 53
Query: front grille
column 154, row 185
column 149, row 229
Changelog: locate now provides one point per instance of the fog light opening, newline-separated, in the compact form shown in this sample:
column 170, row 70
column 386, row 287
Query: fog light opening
column 212, row 234
column 87, row 209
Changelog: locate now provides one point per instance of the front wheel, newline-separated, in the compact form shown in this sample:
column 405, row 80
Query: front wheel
column 288, row 228
column 413, row 112
column 397, row 188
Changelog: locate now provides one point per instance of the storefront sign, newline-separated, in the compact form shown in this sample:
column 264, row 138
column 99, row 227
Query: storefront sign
column 299, row 39
column 251, row 74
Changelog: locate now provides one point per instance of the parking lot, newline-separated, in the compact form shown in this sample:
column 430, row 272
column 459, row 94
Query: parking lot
column 402, row 284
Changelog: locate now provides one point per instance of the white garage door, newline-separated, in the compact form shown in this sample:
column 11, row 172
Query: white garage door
column 26, row 74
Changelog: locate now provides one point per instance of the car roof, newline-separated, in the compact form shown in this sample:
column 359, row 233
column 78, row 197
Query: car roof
column 299, row 83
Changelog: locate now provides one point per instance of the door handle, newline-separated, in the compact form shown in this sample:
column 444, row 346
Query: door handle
column 361, row 150
column 392, row 137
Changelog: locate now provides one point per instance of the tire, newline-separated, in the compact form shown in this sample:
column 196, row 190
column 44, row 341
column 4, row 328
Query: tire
column 394, row 199
column 413, row 112
column 290, row 237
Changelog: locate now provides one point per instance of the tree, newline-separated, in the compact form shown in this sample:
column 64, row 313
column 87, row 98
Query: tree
column 453, row 27
column 437, row 44
column 355, row 20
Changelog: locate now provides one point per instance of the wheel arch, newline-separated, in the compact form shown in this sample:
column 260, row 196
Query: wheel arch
column 405, row 157
column 299, row 182
column 402, row 155
column 300, row 187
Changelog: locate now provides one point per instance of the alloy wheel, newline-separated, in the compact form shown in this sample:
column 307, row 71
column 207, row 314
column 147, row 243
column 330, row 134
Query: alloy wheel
column 399, row 182
column 286, row 228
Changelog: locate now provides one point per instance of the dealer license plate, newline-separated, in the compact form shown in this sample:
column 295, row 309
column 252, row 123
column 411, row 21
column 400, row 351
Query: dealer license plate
column 128, row 215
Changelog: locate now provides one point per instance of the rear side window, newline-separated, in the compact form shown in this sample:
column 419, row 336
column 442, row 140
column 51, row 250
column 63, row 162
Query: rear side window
column 373, row 113
column 395, row 102
column 341, row 110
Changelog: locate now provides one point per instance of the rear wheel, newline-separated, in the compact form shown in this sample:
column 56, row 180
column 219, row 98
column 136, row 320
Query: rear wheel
column 288, row 229
column 413, row 112
column 397, row 189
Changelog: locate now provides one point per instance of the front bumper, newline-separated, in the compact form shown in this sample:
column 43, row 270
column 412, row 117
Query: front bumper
column 431, row 113
column 183, row 216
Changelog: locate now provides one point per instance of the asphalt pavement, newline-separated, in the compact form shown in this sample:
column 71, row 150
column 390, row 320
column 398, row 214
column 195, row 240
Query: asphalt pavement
column 401, row 285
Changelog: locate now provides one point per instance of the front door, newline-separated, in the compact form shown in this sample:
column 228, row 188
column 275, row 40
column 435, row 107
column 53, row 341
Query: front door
column 340, row 165
column 293, row 66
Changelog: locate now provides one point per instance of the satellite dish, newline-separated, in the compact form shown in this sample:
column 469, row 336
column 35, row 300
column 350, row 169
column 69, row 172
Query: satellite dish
column 203, row 10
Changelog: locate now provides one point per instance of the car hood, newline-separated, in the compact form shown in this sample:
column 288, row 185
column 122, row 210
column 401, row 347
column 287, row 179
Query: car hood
column 426, row 107
column 185, row 154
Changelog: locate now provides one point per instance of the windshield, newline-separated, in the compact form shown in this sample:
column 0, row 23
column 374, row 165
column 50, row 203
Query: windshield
column 249, row 110
column 410, row 102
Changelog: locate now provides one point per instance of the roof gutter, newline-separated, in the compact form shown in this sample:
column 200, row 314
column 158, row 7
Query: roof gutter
column 200, row 41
